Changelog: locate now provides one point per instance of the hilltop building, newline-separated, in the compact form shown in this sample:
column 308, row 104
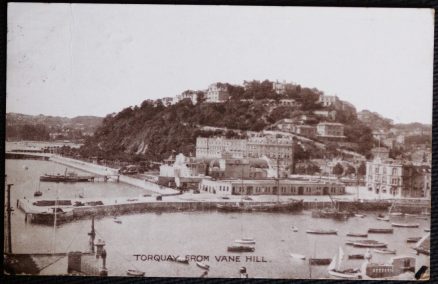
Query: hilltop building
column 217, row 93
column 289, row 125
column 330, row 131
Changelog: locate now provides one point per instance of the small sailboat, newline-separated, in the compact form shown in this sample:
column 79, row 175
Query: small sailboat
column 334, row 268
column 135, row 272
column 382, row 217
column 116, row 220
column 356, row 256
column 298, row 256
column 319, row 261
column 380, row 231
column 246, row 241
column 241, row 248
column 203, row 265
column 322, row 232
column 405, row 225
column 413, row 239
column 357, row 235
column 385, row 251
column 369, row 244
column 38, row 192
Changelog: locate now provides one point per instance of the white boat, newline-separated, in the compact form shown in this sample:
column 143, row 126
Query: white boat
column 405, row 225
column 135, row 272
column 385, row 251
column 298, row 256
column 396, row 214
column 334, row 268
column 359, row 215
column 203, row 265
column 246, row 241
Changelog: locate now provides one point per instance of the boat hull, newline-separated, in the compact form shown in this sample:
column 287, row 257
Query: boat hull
column 240, row 249
column 381, row 231
column 405, row 225
column 355, row 275
column 322, row 232
column 320, row 261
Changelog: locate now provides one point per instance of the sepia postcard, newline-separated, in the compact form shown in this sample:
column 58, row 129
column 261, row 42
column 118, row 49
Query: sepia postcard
column 218, row 141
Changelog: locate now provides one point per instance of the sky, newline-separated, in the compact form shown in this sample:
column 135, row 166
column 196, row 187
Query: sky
column 91, row 59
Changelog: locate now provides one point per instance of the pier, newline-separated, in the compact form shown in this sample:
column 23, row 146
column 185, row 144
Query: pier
column 101, row 173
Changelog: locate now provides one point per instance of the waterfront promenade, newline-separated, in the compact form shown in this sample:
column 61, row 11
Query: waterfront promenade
column 112, row 173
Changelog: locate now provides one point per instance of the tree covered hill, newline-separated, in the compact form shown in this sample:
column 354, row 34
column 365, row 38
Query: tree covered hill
column 153, row 131
column 38, row 127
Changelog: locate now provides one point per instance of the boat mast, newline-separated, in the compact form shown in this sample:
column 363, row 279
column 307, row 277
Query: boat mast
column 278, row 180
column 54, row 220
column 9, row 210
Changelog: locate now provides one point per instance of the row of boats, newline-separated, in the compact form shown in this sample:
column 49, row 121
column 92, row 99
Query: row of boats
column 291, row 205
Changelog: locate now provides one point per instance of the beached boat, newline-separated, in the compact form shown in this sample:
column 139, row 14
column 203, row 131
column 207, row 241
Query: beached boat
column 405, row 225
column 135, row 272
column 241, row 248
column 358, row 235
column 350, row 242
column 298, row 256
column 203, row 265
column 319, row 261
column 369, row 244
column 246, row 241
column 334, row 268
column 385, row 251
column 413, row 239
column 322, row 232
column 37, row 193
column 380, row 231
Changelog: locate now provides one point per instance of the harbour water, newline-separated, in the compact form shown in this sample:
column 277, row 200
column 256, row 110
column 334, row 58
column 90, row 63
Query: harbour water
column 142, row 241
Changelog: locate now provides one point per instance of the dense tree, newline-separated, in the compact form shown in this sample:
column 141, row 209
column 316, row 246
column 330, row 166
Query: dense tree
column 338, row 169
